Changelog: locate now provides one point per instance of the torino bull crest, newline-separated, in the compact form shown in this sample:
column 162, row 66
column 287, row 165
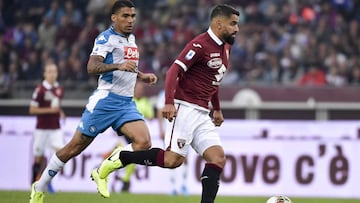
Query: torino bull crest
column 181, row 143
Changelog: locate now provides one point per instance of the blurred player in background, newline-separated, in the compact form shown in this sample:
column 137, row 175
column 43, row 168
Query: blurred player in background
column 178, row 176
column 191, row 83
column 46, row 105
column 115, row 59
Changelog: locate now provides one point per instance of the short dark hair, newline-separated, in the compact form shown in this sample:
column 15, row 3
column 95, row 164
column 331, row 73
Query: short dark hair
column 120, row 4
column 223, row 10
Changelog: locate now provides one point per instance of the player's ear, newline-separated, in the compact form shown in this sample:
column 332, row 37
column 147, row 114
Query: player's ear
column 218, row 23
column 113, row 17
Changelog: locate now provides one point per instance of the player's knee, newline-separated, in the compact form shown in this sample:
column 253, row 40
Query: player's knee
column 219, row 161
column 173, row 161
column 145, row 145
column 142, row 143
column 68, row 152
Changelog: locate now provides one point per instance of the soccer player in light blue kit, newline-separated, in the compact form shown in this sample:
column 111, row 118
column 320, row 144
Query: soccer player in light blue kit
column 115, row 58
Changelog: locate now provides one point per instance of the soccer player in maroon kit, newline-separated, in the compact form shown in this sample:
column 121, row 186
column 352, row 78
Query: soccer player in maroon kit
column 191, row 83
column 45, row 104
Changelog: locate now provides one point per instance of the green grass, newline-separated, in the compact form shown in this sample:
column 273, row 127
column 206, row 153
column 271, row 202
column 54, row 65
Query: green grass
column 67, row 197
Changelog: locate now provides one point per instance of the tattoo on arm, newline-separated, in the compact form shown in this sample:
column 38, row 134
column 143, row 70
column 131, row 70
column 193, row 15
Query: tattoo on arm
column 96, row 66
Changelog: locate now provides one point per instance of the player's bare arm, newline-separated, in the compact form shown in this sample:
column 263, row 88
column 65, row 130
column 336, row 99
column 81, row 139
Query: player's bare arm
column 149, row 78
column 96, row 66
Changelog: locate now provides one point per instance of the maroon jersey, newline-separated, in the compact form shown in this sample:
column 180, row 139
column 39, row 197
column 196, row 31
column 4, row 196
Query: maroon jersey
column 46, row 95
column 204, row 60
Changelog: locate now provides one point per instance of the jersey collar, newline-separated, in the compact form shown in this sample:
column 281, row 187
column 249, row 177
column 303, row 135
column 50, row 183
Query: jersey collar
column 214, row 37
column 118, row 33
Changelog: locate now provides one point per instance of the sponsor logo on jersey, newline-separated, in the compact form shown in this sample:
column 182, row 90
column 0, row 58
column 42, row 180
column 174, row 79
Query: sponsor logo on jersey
column 180, row 143
column 191, row 53
column 214, row 63
column 131, row 53
column 48, row 96
column 197, row 45
column 214, row 55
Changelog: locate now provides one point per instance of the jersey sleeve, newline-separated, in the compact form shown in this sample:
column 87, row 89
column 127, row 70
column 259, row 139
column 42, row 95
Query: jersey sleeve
column 36, row 97
column 171, row 81
column 215, row 101
column 191, row 53
column 102, row 46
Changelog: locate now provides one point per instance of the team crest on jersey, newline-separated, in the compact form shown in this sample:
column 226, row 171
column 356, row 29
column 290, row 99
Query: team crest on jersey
column 181, row 143
column 92, row 129
column 131, row 53
column 190, row 54
column 215, row 63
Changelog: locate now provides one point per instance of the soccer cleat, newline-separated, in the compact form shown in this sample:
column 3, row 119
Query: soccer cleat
column 36, row 197
column 102, row 184
column 111, row 163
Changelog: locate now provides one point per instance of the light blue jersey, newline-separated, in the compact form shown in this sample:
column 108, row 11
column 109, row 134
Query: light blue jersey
column 111, row 103
column 116, row 48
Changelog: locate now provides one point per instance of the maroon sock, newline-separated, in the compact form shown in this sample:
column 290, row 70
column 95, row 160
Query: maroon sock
column 151, row 157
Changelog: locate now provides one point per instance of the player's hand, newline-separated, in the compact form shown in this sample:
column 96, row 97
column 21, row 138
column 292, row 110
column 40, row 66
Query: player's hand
column 129, row 66
column 149, row 78
column 218, row 118
column 169, row 112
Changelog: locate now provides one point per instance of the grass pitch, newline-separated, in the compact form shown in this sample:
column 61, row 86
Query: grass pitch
column 68, row 197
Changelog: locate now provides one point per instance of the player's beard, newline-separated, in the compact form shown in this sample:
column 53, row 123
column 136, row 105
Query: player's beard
column 229, row 39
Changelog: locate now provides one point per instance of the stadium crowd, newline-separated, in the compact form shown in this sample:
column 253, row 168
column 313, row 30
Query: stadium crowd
column 280, row 42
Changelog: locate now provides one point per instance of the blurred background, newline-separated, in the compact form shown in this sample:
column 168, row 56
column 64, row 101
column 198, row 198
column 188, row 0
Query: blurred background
column 286, row 50
column 294, row 65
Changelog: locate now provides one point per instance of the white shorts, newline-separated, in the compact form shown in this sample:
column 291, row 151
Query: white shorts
column 191, row 127
column 47, row 139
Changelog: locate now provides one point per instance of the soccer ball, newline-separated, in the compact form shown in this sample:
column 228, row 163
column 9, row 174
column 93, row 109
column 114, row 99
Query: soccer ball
column 279, row 199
